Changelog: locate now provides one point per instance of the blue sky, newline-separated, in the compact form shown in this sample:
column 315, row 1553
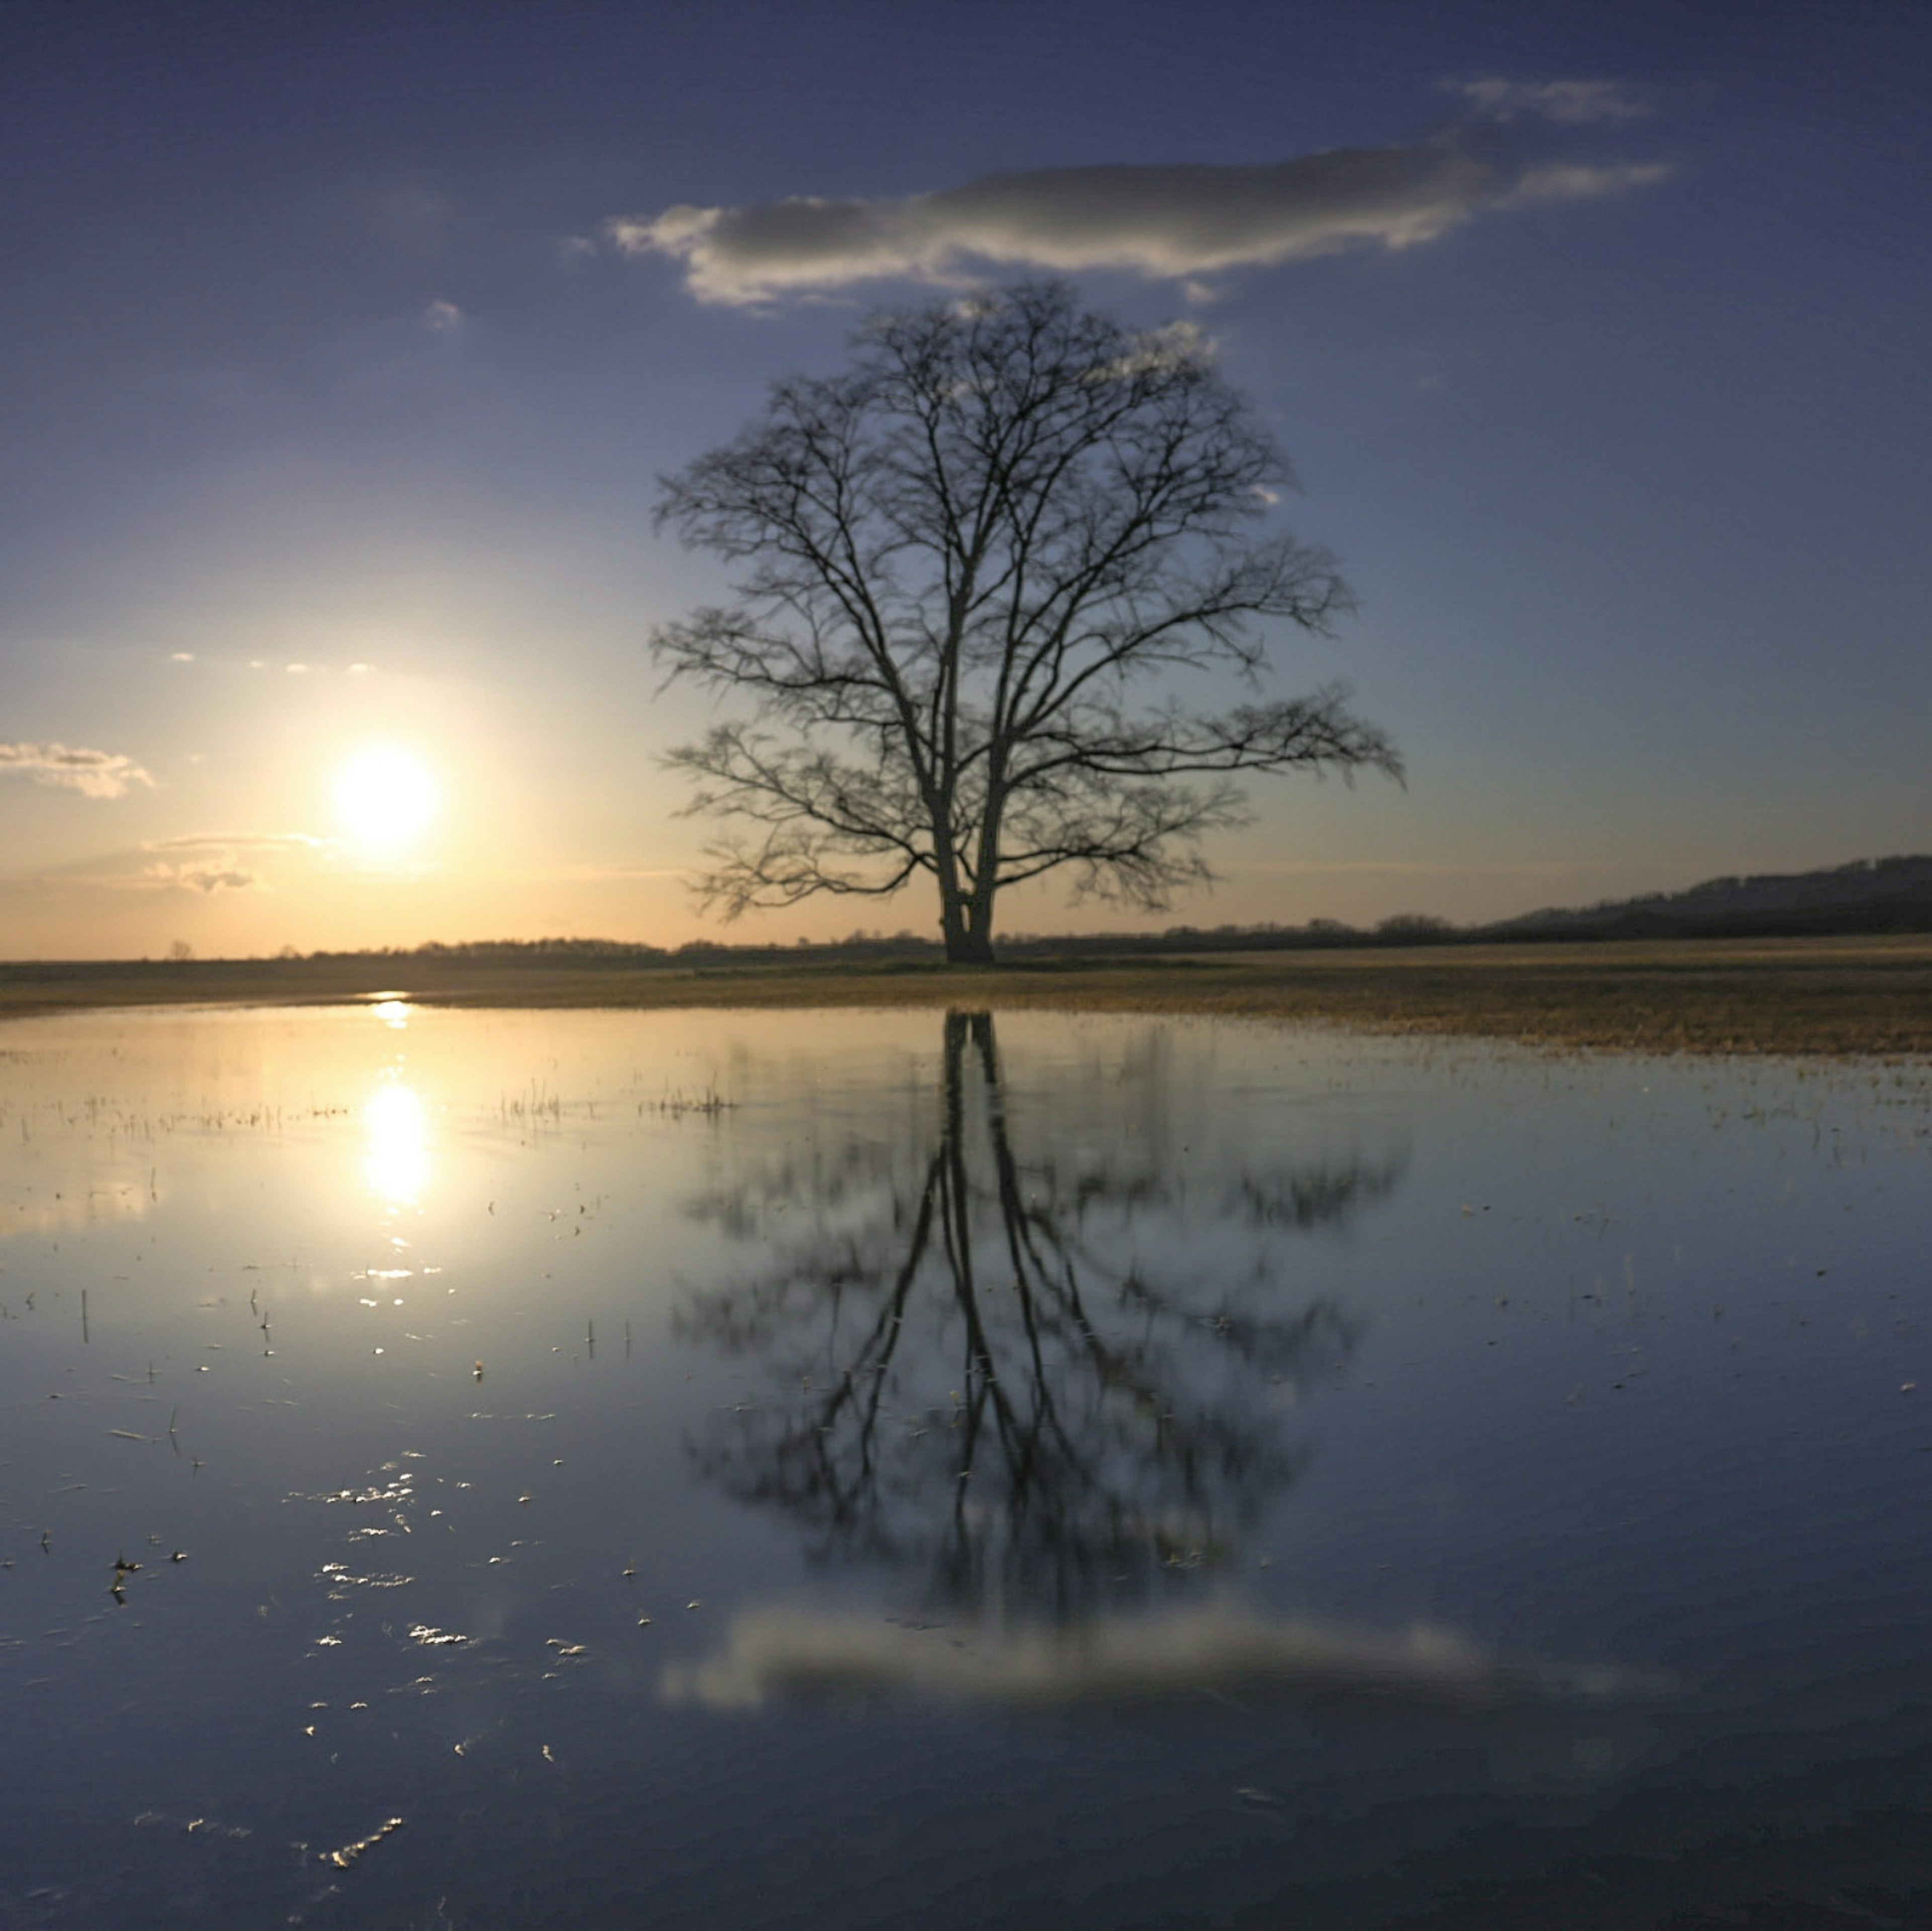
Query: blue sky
column 341, row 337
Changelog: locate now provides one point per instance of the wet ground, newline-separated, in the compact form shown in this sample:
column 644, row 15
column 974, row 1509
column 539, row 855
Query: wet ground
column 876, row 1468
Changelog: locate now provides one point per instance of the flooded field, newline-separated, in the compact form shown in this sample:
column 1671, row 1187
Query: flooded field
column 876, row 1468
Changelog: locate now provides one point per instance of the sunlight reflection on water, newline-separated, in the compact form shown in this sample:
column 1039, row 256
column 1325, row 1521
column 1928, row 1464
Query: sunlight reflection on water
column 396, row 1154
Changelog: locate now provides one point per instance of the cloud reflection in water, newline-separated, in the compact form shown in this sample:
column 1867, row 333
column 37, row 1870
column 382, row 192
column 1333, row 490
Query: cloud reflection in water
column 1224, row 1652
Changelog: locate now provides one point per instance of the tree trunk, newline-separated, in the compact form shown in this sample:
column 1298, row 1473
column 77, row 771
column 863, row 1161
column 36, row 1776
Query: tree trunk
column 952, row 922
column 965, row 919
column 979, row 933
column 986, row 867
column 968, row 931
column 969, row 948
column 952, row 927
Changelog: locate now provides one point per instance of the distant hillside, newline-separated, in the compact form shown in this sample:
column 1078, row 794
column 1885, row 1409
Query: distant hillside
column 1885, row 895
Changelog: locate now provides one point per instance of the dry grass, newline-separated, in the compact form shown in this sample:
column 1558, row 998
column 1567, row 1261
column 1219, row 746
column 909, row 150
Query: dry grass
column 1814, row 996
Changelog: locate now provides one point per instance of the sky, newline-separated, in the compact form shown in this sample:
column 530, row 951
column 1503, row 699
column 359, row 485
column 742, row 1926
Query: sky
column 343, row 347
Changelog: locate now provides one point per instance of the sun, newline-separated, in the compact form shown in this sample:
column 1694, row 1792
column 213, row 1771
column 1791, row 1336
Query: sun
column 384, row 797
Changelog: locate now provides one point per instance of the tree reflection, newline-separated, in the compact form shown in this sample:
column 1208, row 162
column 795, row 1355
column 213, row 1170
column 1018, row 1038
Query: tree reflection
column 1040, row 1382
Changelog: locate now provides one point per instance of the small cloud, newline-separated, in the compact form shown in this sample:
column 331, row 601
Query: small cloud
column 1561, row 181
column 442, row 316
column 207, row 879
column 211, row 861
column 1174, row 347
column 297, row 670
column 577, row 247
column 95, row 774
column 181, row 657
column 362, row 670
column 258, row 664
column 1566, row 103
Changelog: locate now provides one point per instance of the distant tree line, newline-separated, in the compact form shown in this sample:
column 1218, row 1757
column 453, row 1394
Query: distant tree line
column 1870, row 896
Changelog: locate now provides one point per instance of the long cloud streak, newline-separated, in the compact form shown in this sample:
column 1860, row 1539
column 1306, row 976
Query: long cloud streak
column 1163, row 222
column 229, row 841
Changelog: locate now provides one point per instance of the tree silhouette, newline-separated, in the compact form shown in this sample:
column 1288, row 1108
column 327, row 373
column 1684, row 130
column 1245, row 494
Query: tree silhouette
column 970, row 570
column 970, row 1378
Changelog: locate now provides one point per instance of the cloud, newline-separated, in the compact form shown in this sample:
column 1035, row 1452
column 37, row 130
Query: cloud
column 95, row 774
column 202, row 861
column 1559, row 180
column 228, row 843
column 1163, row 222
column 1176, row 222
column 1568, row 102
column 442, row 316
column 209, row 878
column 1174, row 346
column 212, row 862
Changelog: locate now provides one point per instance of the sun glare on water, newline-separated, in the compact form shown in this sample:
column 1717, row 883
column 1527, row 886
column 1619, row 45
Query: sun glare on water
column 384, row 797
column 396, row 1145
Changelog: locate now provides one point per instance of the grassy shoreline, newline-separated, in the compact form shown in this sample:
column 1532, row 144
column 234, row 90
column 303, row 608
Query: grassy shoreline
column 1833, row 996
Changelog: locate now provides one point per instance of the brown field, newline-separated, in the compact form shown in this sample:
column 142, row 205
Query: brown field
column 1807, row 996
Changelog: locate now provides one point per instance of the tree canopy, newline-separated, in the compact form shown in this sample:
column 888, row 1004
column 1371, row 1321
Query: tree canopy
column 967, row 573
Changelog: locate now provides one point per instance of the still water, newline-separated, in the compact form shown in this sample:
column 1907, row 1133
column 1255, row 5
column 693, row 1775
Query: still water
column 703, row 1469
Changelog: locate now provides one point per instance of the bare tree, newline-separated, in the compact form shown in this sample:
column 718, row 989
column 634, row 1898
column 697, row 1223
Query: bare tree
column 967, row 569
